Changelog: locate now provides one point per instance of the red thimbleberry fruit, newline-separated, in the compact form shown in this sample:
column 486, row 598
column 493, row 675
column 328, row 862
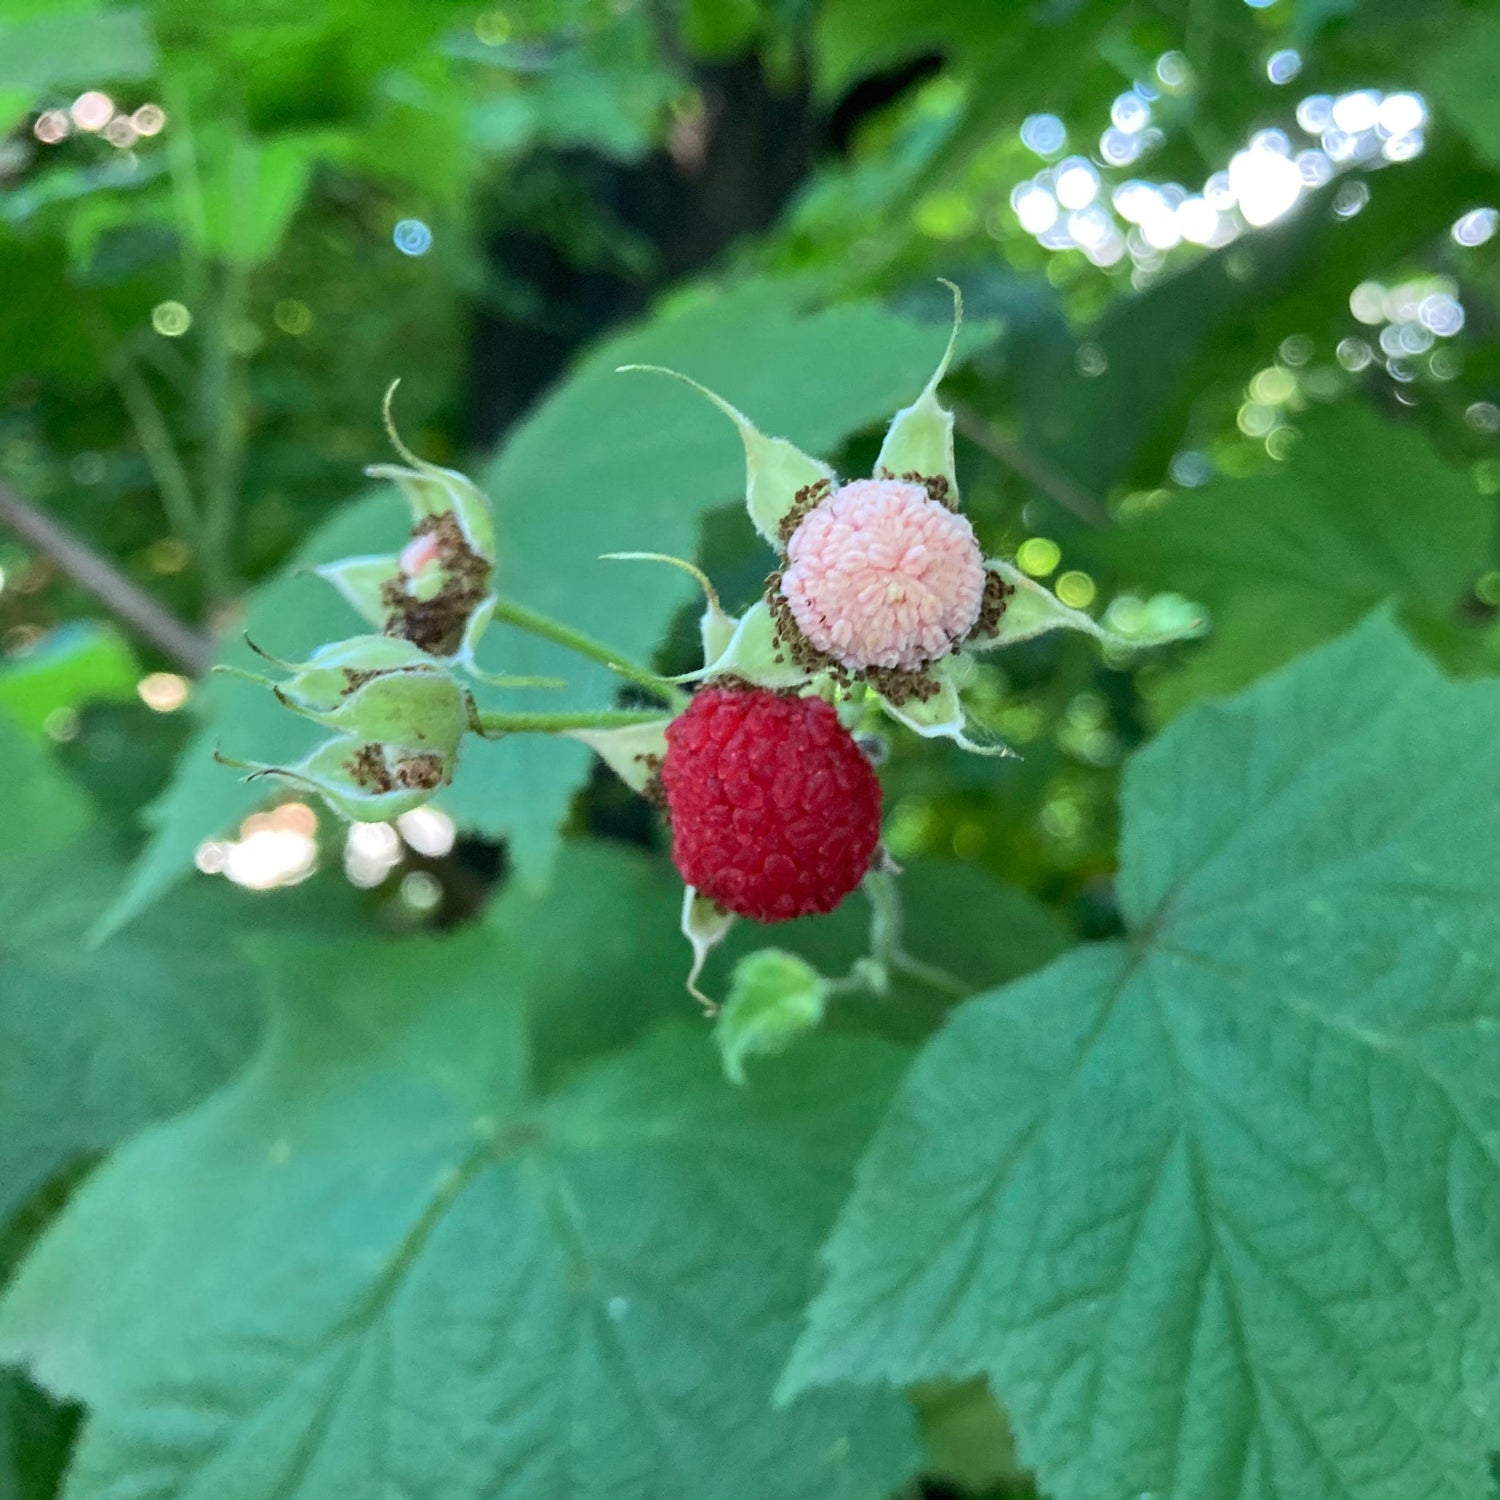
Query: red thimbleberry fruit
column 775, row 810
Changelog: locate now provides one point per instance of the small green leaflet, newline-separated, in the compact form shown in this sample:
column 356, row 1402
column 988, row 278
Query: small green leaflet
column 1363, row 512
column 607, row 463
column 390, row 1260
column 1215, row 1207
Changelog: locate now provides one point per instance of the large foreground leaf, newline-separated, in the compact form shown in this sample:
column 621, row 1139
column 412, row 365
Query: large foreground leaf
column 607, row 463
column 94, row 1043
column 1213, row 1206
column 399, row 1258
column 1365, row 511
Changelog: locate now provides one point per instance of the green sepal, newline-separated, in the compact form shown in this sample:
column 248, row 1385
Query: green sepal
column 375, row 687
column 362, row 582
column 348, row 774
column 421, row 708
column 754, row 653
column 323, row 680
column 433, row 491
column 943, row 716
column 634, row 752
column 776, row 471
column 1033, row 610
column 478, row 622
column 705, row 925
column 920, row 437
column 716, row 630
column 774, row 998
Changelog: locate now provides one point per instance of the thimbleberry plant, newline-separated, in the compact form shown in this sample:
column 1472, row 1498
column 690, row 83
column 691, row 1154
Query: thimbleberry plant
column 880, row 597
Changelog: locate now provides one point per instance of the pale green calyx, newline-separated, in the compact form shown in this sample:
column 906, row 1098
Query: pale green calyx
column 361, row 780
column 774, row 998
column 634, row 752
column 757, row 653
column 436, row 592
column 705, row 925
column 943, row 715
column 1032, row 610
column 919, row 440
column 882, row 588
column 377, row 688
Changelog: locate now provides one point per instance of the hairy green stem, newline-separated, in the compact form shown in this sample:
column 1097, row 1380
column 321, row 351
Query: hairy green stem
column 585, row 645
column 932, row 976
column 492, row 723
column 886, row 952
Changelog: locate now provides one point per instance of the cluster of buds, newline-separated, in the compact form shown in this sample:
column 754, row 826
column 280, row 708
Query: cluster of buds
column 394, row 701
column 398, row 716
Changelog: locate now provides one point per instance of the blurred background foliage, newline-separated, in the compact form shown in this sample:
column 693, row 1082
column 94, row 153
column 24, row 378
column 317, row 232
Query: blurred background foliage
column 1233, row 277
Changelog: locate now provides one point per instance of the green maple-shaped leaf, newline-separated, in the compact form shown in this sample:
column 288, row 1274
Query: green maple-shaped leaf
column 1214, row 1206
column 400, row 1256
column 1364, row 511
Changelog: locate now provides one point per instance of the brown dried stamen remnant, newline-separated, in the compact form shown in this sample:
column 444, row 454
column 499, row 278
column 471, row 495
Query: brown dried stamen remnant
column 354, row 679
column 938, row 488
column 789, row 640
column 991, row 605
column 898, row 687
column 892, row 683
column 438, row 624
column 368, row 767
column 806, row 499
column 422, row 772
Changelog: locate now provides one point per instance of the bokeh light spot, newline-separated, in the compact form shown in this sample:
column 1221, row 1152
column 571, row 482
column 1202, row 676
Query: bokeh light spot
column 1038, row 556
column 1076, row 590
column 171, row 319
column 163, row 692
column 52, row 126
column 412, row 237
column 1044, row 134
column 93, row 110
column 292, row 316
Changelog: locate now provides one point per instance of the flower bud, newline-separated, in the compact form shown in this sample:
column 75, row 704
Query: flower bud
column 436, row 592
column 774, row 998
column 381, row 689
column 361, row 780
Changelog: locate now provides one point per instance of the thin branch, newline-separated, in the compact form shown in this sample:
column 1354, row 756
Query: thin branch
column 124, row 599
column 1036, row 471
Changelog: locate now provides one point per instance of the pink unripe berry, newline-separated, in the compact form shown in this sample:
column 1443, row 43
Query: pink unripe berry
column 420, row 553
column 881, row 575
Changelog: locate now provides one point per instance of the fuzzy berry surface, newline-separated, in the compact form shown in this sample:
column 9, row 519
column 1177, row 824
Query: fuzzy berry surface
column 775, row 810
column 881, row 575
